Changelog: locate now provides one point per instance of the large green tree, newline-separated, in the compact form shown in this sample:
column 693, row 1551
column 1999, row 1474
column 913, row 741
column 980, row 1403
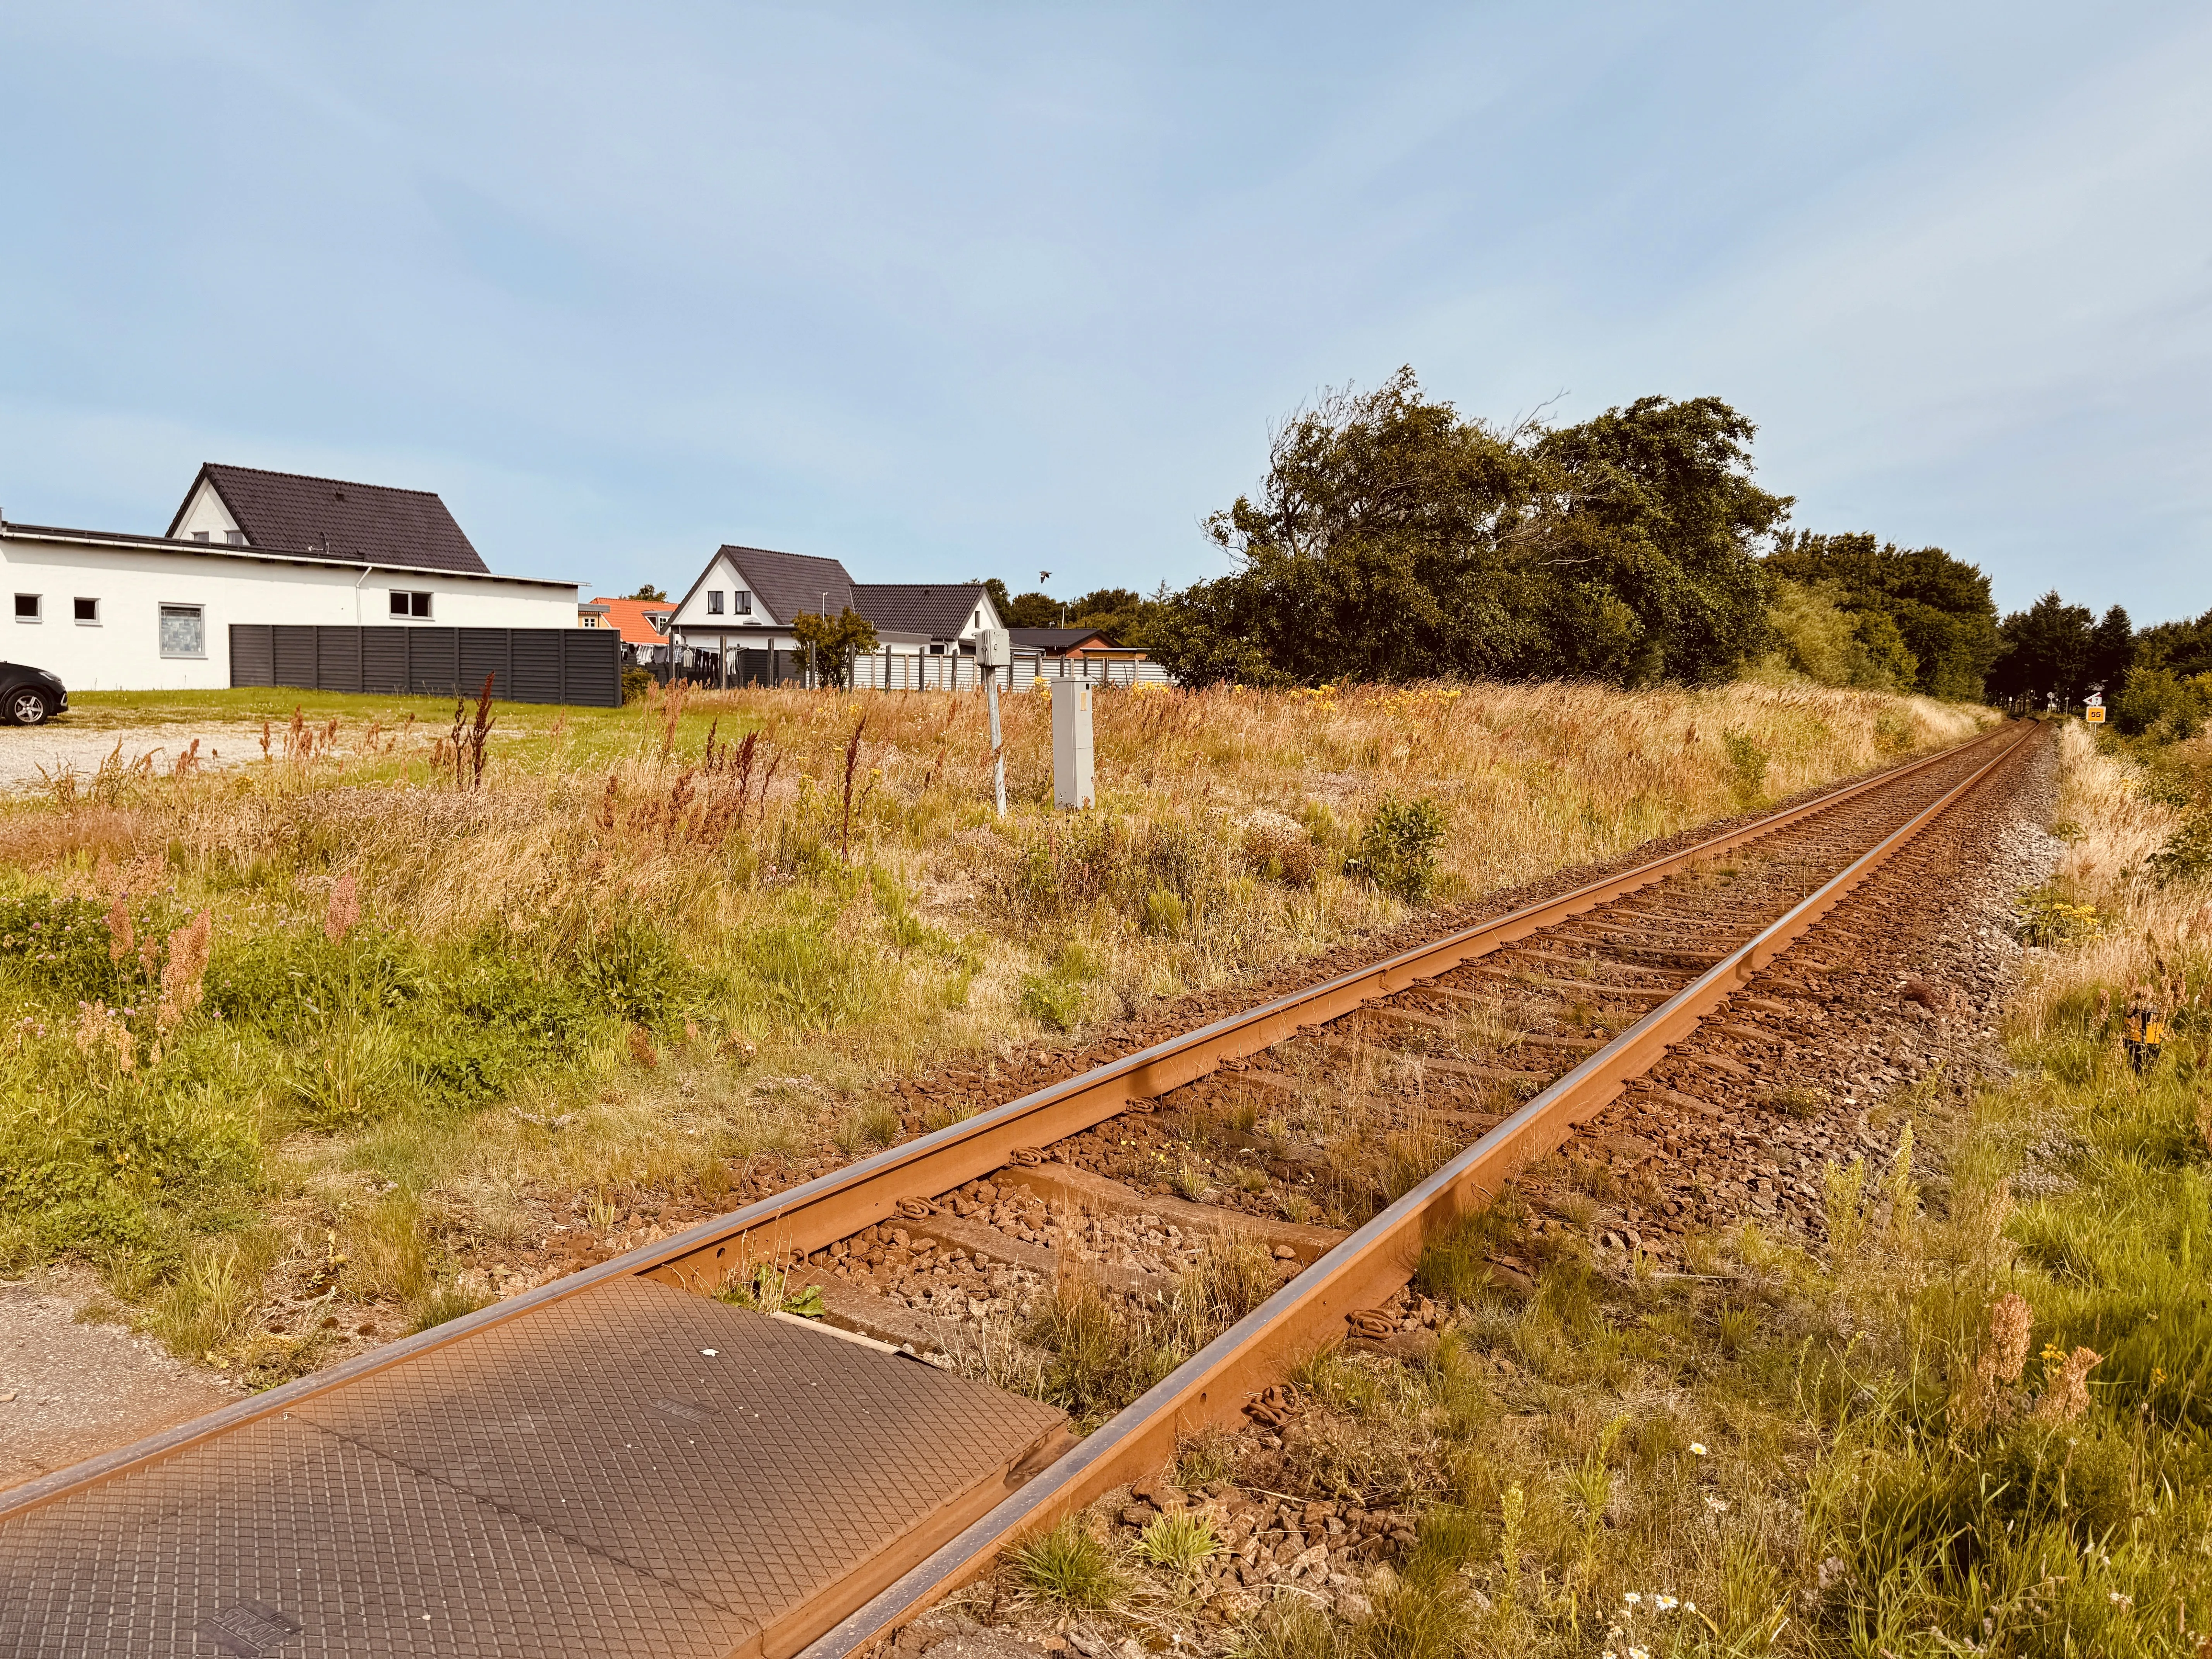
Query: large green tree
column 2047, row 650
column 1392, row 539
column 1938, row 605
column 2181, row 647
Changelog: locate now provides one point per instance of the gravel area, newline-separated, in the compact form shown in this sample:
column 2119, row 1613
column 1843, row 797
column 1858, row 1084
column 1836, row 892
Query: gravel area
column 30, row 755
column 70, row 1391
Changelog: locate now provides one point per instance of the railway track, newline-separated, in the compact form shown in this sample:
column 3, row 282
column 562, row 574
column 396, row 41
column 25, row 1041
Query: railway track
column 623, row 1458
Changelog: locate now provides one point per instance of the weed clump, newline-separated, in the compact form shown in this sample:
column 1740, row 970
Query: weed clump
column 1397, row 849
column 1068, row 1567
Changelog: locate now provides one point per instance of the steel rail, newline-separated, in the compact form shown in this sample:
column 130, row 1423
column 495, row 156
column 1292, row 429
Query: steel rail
column 834, row 1205
column 1214, row 1385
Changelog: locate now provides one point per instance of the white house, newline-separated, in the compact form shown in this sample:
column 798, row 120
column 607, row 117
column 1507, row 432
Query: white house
column 113, row 611
column 736, row 619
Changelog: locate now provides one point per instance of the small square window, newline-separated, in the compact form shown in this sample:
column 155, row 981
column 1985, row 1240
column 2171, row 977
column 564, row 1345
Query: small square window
column 183, row 631
column 743, row 603
column 26, row 607
column 234, row 537
column 409, row 603
column 88, row 611
column 199, row 535
column 713, row 601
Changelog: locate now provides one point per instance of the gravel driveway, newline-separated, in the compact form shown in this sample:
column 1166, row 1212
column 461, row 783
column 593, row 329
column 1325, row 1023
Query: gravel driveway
column 25, row 751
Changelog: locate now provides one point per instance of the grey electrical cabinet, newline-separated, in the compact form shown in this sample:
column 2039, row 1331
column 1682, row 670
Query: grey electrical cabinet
column 1072, row 785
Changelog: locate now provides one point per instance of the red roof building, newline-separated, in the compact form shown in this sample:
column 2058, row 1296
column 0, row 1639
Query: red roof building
column 642, row 624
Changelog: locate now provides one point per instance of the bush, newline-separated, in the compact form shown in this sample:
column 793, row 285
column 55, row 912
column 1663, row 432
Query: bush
column 634, row 681
column 1054, row 999
column 1397, row 849
column 2163, row 706
column 1069, row 1566
column 2187, row 853
column 1748, row 762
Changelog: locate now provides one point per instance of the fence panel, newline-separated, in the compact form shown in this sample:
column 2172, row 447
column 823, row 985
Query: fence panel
column 338, row 659
column 295, row 656
column 434, row 661
column 384, row 659
column 253, row 654
column 579, row 666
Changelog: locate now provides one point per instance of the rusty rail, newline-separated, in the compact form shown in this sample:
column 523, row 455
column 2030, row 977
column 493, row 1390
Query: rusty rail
column 1214, row 1386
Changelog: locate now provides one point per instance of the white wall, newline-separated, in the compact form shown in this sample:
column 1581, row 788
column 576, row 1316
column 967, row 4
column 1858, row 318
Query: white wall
column 724, row 578
column 206, row 518
column 122, row 650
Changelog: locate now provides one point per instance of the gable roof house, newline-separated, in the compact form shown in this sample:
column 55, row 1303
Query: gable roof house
column 736, row 620
column 114, row 611
column 324, row 518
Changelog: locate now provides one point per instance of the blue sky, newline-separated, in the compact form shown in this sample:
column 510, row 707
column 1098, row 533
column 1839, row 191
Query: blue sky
column 986, row 290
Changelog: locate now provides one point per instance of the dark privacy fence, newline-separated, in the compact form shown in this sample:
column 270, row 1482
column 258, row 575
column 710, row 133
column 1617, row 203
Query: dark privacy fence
column 581, row 665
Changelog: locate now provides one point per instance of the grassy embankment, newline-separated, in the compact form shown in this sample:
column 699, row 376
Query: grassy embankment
column 666, row 949
column 1976, row 1424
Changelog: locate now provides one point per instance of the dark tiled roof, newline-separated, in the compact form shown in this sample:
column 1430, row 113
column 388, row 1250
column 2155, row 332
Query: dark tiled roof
column 789, row 583
column 940, row 612
column 334, row 519
column 226, row 550
column 1056, row 639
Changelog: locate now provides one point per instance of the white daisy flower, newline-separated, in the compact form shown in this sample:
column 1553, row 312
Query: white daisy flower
column 1697, row 1449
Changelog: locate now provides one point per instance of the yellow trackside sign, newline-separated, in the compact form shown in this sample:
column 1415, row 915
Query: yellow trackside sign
column 2094, row 714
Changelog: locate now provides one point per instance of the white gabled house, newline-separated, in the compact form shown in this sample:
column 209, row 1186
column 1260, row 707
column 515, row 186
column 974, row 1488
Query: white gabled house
column 735, row 623
column 114, row 611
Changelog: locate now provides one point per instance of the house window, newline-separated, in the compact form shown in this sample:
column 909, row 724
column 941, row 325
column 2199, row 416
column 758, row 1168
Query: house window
column 742, row 602
column 235, row 538
column 199, row 535
column 183, row 631
column 88, row 611
column 409, row 604
column 978, row 622
column 26, row 607
column 713, row 601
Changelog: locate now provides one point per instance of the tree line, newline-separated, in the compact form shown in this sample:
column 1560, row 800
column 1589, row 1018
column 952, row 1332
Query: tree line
column 1393, row 538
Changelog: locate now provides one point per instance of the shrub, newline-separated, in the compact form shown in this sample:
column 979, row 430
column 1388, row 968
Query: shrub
column 635, row 683
column 1397, row 849
column 287, row 985
column 1179, row 1543
column 1748, row 762
column 2187, row 853
column 2162, row 705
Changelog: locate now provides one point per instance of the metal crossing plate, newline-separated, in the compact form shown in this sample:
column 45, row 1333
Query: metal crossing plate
column 633, row 1470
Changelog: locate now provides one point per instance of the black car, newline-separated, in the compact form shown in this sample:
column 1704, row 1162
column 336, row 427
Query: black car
column 30, row 696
